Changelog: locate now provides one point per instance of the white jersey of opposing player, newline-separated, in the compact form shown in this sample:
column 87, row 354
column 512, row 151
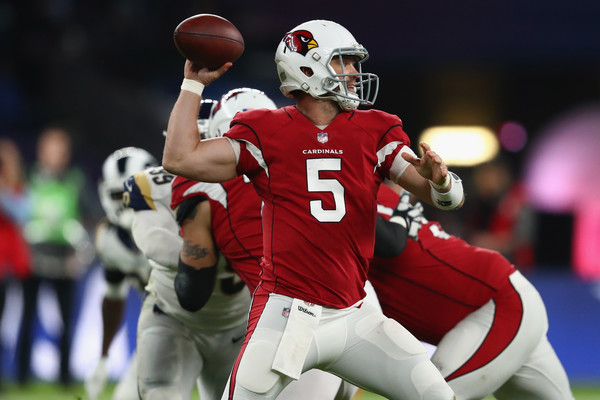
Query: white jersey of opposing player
column 156, row 232
column 117, row 252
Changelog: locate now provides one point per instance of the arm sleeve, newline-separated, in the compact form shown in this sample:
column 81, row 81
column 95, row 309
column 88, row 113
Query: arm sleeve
column 390, row 238
column 194, row 286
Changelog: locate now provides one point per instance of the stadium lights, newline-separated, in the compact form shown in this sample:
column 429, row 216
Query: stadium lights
column 462, row 146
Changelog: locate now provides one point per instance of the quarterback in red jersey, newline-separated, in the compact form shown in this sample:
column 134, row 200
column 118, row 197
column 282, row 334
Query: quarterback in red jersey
column 225, row 218
column 488, row 322
column 317, row 167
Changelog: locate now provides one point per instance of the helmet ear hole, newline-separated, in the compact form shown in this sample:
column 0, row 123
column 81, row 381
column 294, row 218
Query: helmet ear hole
column 307, row 71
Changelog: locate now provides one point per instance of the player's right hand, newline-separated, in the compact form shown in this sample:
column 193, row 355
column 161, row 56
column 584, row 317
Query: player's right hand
column 94, row 384
column 204, row 75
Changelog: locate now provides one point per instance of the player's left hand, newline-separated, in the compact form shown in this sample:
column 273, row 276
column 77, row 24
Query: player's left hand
column 430, row 166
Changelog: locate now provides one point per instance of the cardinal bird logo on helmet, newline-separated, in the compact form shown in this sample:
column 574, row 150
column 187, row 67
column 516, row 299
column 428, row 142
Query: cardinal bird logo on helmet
column 300, row 41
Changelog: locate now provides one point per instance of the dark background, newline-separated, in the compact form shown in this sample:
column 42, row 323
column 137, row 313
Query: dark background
column 110, row 70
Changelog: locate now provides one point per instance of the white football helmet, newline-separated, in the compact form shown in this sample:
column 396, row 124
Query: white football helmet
column 231, row 103
column 119, row 166
column 303, row 63
column 203, row 116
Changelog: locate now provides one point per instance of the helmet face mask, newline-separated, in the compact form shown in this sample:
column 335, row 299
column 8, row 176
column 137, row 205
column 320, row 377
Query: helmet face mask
column 119, row 166
column 231, row 103
column 304, row 59
column 204, row 116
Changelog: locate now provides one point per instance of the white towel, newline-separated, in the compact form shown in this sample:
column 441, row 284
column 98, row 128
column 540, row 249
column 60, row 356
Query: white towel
column 297, row 337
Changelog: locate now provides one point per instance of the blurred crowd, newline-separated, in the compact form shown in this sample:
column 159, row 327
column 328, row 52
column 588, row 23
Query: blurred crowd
column 47, row 212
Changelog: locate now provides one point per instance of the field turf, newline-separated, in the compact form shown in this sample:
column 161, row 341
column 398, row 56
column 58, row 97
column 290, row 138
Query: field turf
column 48, row 391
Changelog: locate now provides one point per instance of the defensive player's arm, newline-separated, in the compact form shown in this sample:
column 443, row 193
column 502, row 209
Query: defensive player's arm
column 211, row 160
column 428, row 178
column 196, row 272
column 154, row 229
column 156, row 234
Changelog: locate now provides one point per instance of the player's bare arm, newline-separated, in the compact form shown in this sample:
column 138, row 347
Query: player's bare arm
column 184, row 153
column 429, row 179
column 196, row 271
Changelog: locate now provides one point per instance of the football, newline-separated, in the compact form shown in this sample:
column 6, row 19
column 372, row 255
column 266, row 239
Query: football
column 208, row 40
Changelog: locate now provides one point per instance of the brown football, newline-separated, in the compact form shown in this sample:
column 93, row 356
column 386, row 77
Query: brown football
column 208, row 40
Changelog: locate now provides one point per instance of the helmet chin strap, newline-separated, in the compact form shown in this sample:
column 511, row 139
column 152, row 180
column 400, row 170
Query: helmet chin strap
column 347, row 102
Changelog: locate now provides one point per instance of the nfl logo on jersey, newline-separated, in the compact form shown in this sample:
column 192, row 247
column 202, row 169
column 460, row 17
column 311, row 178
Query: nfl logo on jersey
column 322, row 137
column 286, row 312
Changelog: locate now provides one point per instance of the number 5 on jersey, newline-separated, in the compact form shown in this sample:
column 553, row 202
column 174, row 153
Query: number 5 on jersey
column 316, row 184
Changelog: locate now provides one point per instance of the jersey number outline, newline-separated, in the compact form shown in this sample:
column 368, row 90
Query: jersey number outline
column 315, row 183
column 160, row 177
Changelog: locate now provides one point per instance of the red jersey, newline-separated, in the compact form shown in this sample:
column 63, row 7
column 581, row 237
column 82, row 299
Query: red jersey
column 235, row 220
column 436, row 281
column 15, row 254
column 319, row 188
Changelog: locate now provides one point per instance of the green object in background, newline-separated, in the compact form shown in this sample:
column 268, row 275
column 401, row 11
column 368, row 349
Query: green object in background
column 54, row 207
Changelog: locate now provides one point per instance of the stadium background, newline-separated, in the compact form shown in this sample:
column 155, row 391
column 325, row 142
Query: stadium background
column 110, row 71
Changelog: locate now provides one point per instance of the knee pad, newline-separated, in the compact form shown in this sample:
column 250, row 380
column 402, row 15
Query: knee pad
column 406, row 345
column 430, row 383
column 254, row 373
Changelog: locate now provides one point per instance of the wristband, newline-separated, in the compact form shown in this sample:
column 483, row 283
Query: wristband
column 193, row 86
column 443, row 185
column 451, row 199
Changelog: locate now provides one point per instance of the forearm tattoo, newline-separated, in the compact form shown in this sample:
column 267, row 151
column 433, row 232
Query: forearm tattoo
column 194, row 251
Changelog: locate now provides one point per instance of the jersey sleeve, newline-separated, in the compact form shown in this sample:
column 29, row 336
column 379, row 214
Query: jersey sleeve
column 145, row 189
column 184, row 189
column 244, row 128
column 138, row 194
column 393, row 142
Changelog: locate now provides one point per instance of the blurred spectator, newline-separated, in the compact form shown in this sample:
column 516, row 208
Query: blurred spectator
column 15, row 256
column 57, row 237
column 497, row 215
